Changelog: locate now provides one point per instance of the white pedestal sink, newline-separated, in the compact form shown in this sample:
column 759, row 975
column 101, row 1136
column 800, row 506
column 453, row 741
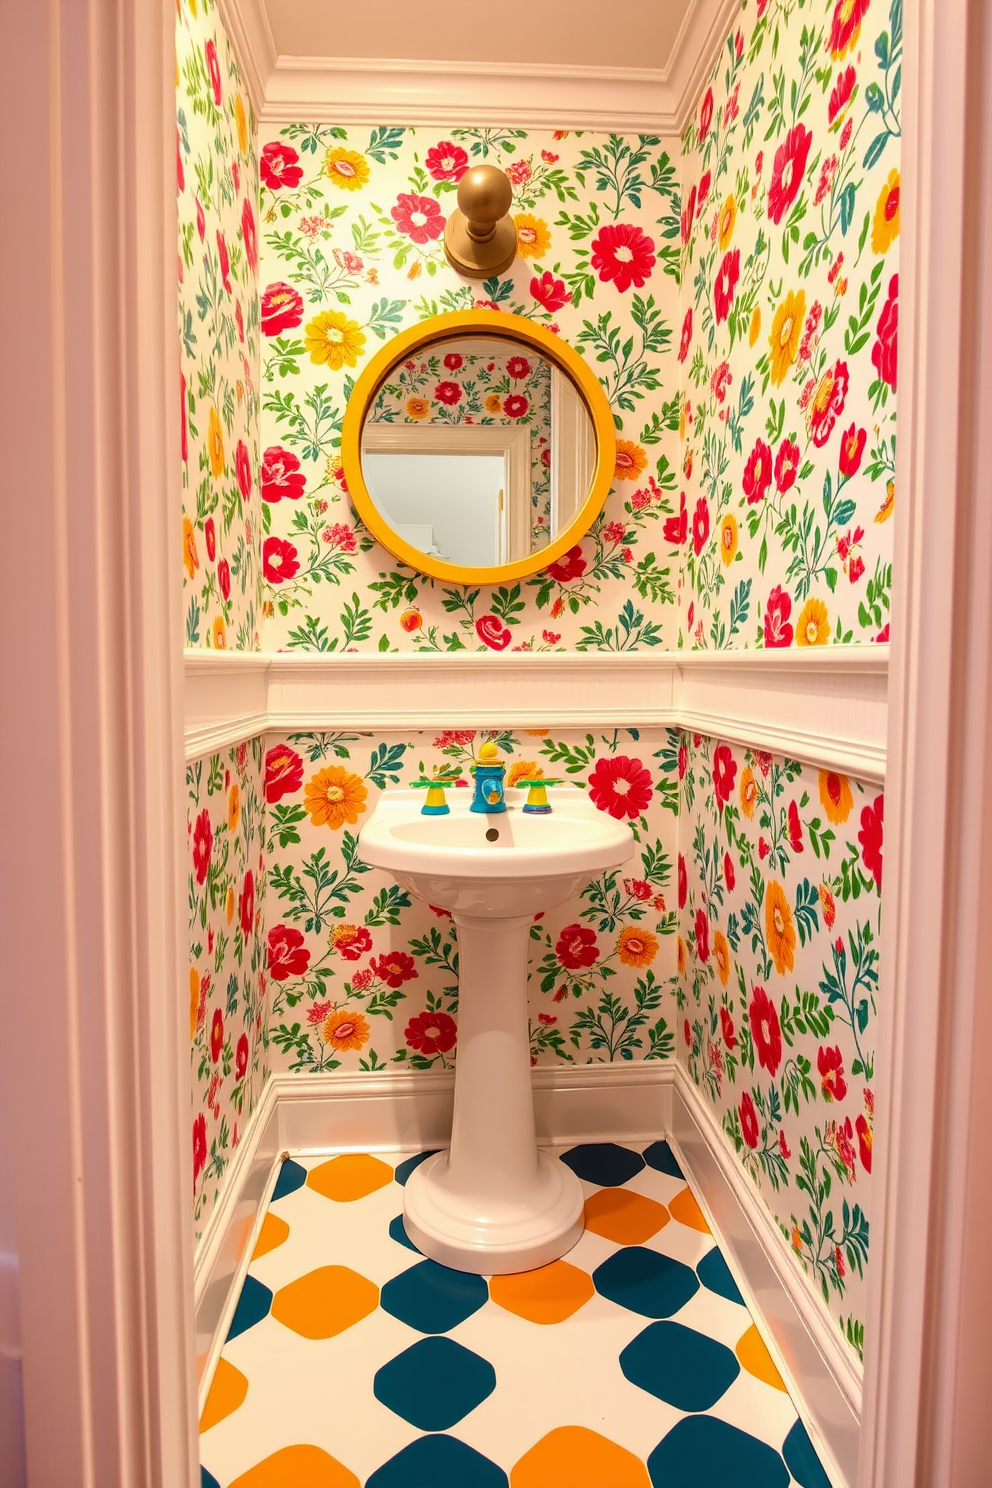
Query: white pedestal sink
column 493, row 1204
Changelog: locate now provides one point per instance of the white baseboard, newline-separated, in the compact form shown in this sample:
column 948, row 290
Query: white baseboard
column 823, row 1374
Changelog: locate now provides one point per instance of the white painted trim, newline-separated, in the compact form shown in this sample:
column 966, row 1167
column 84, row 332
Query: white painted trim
column 825, row 707
column 824, row 1377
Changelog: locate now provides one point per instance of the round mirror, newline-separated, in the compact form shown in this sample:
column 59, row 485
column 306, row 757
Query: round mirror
column 478, row 447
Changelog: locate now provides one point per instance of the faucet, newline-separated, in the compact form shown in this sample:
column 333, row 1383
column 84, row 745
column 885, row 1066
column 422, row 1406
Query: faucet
column 489, row 772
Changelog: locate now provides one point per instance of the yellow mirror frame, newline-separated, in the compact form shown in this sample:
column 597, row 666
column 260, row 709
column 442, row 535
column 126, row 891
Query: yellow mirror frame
column 492, row 323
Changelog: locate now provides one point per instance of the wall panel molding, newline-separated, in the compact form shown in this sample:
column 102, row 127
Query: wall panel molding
column 825, row 707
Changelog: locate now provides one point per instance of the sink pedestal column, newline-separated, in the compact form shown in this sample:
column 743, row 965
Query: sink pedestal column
column 494, row 1204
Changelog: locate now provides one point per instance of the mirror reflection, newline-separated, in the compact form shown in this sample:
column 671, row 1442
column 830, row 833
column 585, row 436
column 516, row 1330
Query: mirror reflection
column 477, row 450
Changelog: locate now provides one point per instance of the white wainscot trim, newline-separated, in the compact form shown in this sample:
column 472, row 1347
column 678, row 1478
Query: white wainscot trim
column 825, row 706
column 823, row 1375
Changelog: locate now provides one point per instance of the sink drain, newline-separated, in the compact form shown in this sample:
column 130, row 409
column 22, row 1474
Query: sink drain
column 492, row 835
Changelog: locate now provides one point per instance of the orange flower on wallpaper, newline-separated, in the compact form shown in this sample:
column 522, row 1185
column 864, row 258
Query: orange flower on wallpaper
column 728, row 540
column 190, row 561
column 523, row 770
column 335, row 796
column 229, row 904
column 885, row 510
column 218, row 632
column 631, row 460
column 755, row 329
column 725, row 227
column 344, row 1030
column 636, row 947
column 680, row 955
column 780, row 930
column 787, row 330
column 813, row 628
column 417, row 408
column 215, row 443
column 346, row 169
column 749, row 792
column 835, row 796
column 494, row 403
column 334, row 341
column 241, row 123
column 885, row 222
column 721, row 955
column 233, row 808
column 533, row 235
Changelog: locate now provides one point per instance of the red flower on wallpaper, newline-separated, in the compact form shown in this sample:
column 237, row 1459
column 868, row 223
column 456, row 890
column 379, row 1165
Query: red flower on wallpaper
column 278, row 166
column 418, row 217
column 883, row 352
column 787, row 171
column 724, row 774
column 242, row 469
column 870, row 837
column 828, row 401
column 778, row 631
column 841, row 94
column 394, row 968
column 282, row 476
column 570, row 566
column 491, row 630
column 624, row 255
column 279, row 560
column 199, row 1147
column 686, row 340
column 702, row 936
column 288, row 956
column 703, row 192
column 688, row 216
column 351, row 941
column 676, row 529
column 250, row 235
column 453, row 362
column 431, row 1033
column 448, row 393
column 180, row 173
column 210, row 538
column 213, row 70
column 864, row 1142
column 224, row 578
column 830, row 1063
column 700, row 526
column 203, row 841
column 749, row 1121
column 852, row 446
column 515, row 406
column 728, row 872
column 517, row 367
column 727, row 1028
column 845, row 28
column 446, row 162
column 283, row 772
column 621, row 786
column 765, row 1030
column 247, row 904
column 225, row 263
column 795, row 828
column 549, row 291
column 216, row 1035
column 705, row 114
column 786, row 465
column 683, row 882
column 725, row 283
column 576, row 947
column 241, row 1057
column 281, row 309
column 758, row 473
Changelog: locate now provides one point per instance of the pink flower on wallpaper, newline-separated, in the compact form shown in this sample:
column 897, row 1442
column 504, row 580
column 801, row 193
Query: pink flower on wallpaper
column 250, row 235
column 724, row 774
column 246, row 905
column 288, row 956
column 884, row 350
column 224, row 578
column 216, row 1035
column 281, row 309
column 725, row 283
column 786, row 465
column 518, row 172
column 621, row 786
column 686, row 340
column 828, row 401
column 491, row 630
column 778, row 631
column 676, row 529
column 203, row 841
column 283, row 772
column 700, row 526
column 549, row 291
column 870, row 837
column 765, row 1030
column 830, row 1064
column 242, row 468
column 448, row 393
column 394, row 968
column 749, row 1121
column 225, row 263
column 213, row 70
column 446, row 162
column 758, row 473
column 788, row 171
column 279, row 560
column 623, row 255
column 418, row 217
column 278, row 166
column 570, row 566
column 241, row 1058
column 282, row 476
column 199, row 1147
column 702, row 936
column 705, row 115
column 727, row 1028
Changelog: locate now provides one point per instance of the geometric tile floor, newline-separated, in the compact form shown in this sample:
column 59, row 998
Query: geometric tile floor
column 352, row 1362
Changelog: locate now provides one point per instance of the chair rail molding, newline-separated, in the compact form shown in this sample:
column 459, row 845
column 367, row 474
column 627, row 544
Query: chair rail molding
column 825, row 707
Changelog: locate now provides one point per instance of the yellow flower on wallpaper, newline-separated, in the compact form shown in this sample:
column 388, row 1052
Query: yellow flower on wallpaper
column 233, row 808
column 728, row 539
column 636, row 947
column 787, row 330
column 631, row 461
column 241, row 123
column 680, row 955
column 346, row 169
column 749, row 792
column 215, row 443
column 780, row 930
column 721, row 955
column 229, row 904
column 218, row 633
column 190, row 561
column 533, row 235
column 344, row 1030
column 493, row 404
column 835, row 796
column 813, row 627
column 523, row 770
column 755, row 330
column 417, row 408
column 334, row 341
column 728, row 216
column 885, row 222
column 335, row 796
column 885, row 510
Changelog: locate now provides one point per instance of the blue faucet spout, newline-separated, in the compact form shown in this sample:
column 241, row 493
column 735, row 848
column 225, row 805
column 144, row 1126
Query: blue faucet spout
column 489, row 797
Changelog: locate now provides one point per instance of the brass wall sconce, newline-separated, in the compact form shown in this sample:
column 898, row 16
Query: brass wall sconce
column 480, row 239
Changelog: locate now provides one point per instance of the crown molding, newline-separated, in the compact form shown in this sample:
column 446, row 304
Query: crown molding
column 369, row 91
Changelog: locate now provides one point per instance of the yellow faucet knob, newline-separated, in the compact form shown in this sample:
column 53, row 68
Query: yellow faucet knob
column 488, row 752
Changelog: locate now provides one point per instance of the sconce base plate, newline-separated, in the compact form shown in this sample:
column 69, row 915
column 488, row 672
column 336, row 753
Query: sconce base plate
column 479, row 260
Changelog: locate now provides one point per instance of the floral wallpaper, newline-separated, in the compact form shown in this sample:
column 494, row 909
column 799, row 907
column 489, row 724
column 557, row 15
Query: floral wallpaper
column 352, row 251
column 227, row 977
column 448, row 387
column 217, row 184
column 364, row 977
column 789, row 328
column 779, row 878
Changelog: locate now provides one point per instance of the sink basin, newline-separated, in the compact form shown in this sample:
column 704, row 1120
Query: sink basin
column 493, row 1203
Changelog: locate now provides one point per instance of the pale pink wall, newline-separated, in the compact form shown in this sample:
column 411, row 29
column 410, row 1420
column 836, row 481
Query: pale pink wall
column 12, row 1468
